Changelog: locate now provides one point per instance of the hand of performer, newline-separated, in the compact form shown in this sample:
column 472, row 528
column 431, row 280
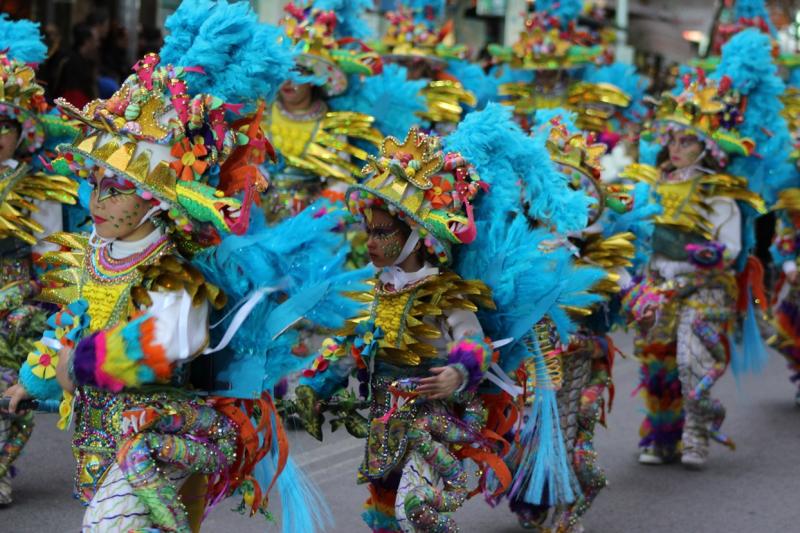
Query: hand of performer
column 791, row 276
column 647, row 320
column 445, row 381
column 62, row 370
column 16, row 393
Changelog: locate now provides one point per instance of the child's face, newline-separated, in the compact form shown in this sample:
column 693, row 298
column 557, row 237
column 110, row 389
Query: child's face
column 684, row 149
column 115, row 207
column 385, row 238
column 9, row 137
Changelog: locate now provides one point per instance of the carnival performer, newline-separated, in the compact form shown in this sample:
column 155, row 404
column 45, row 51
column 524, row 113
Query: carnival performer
column 420, row 350
column 710, row 183
column 174, row 178
column 318, row 148
column 585, row 362
column 31, row 209
column 785, row 302
column 549, row 55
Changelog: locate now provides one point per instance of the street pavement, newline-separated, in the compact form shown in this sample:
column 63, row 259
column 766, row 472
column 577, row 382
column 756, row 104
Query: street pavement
column 753, row 489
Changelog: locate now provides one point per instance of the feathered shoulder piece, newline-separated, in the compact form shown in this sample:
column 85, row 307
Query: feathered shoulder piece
column 19, row 187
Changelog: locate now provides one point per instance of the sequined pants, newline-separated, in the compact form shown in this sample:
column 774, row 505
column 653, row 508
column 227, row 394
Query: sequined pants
column 702, row 358
column 141, row 490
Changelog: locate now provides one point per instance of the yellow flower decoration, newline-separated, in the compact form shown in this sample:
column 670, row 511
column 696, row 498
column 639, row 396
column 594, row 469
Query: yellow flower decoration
column 43, row 361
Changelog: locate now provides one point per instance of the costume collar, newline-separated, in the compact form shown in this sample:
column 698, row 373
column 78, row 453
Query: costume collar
column 122, row 249
column 400, row 279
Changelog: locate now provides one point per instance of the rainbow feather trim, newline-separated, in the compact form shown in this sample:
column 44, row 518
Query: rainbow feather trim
column 474, row 355
column 124, row 356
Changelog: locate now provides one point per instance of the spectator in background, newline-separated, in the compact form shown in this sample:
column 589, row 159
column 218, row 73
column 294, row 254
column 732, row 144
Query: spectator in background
column 56, row 53
column 76, row 75
column 150, row 40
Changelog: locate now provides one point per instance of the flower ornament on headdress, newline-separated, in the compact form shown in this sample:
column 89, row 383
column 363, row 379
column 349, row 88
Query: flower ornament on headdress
column 180, row 146
column 414, row 31
column 21, row 98
column 328, row 57
column 710, row 109
column 428, row 189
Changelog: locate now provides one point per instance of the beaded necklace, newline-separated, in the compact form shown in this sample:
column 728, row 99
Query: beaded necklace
column 105, row 269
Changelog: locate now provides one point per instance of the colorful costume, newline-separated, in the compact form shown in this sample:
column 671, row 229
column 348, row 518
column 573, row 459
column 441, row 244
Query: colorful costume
column 699, row 278
column 31, row 197
column 152, row 452
column 318, row 148
column 414, row 444
column 785, row 303
column 551, row 47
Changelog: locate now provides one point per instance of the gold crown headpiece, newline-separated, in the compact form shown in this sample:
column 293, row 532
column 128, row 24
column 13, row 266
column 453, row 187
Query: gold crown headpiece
column 323, row 54
column 182, row 151
column 579, row 158
column 544, row 44
column 22, row 99
column 414, row 34
column 713, row 110
column 427, row 188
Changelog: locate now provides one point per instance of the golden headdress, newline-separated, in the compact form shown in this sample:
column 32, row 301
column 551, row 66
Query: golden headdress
column 322, row 53
column 708, row 108
column 428, row 189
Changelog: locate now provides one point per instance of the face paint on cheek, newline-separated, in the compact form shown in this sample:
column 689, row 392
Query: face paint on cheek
column 391, row 248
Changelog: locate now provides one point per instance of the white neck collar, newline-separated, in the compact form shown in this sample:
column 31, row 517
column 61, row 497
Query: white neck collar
column 400, row 279
column 122, row 249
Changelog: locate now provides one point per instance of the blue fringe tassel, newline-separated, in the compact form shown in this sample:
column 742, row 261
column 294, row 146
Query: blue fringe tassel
column 303, row 508
column 544, row 468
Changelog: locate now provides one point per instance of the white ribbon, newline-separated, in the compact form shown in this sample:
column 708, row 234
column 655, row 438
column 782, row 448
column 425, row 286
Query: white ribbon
column 245, row 308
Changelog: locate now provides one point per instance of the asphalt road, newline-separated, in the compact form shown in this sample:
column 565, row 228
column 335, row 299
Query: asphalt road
column 753, row 489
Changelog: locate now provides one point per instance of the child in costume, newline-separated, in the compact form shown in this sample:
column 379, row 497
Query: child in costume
column 317, row 147
column 31, row 209
column 698, row 281
column 419, row 351
column 174, row 178
column 785, row 304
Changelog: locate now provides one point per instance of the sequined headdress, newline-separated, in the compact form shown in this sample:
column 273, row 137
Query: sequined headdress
column 21, row 98
column 415, row 31
column 708, row 108
column 427, row 188
column 550, row 40
column 578, row 157
column 171, row 128
column 323, row 51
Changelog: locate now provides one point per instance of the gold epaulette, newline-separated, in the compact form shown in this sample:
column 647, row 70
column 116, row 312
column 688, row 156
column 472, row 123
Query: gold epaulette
column 789, row 200
column 610, row 254
column 18, row 189
column 326, row 149
column 444, row 99
column 734, row 187
column 62, row 280
column 171, row 273
column 641, row 172
column 401, row 315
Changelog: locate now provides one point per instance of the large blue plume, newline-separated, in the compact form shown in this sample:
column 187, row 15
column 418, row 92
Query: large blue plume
column 242, row 59
column 516, row 166
column 751, row 9
column 747, row 61
column 22, row 39
column 565, row 10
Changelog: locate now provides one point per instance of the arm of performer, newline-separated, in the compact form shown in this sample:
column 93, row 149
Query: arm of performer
column 784, row 247
column 144, row 350
column 468, row 359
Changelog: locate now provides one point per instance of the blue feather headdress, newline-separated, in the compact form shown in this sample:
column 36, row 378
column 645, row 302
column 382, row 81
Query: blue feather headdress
column 241, row 58
column 22, row 40
column 565, row 11
column 350, row 22
column 753, row 10
column 516, row 166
